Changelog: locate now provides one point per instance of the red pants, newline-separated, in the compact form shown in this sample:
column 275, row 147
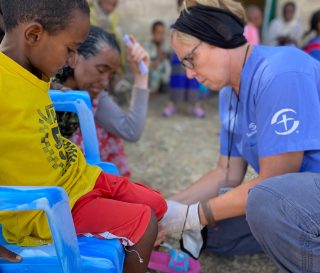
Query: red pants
column 117, row 208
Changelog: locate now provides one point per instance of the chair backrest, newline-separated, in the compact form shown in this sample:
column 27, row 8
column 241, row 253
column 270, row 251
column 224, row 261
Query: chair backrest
column 79, row 102
column 54, row 201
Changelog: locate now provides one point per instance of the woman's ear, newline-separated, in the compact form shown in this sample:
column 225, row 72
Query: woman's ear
column 33, row 33
column 73, row 60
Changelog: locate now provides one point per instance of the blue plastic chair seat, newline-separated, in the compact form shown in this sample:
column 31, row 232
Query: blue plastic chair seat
column 97, row 255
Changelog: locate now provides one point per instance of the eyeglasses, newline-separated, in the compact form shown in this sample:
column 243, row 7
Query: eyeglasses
column 187, row 60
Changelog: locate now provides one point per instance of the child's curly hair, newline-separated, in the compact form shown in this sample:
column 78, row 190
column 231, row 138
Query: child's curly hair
column 53, row 15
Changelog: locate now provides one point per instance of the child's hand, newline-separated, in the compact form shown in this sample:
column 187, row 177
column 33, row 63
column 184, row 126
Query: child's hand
column 9, row 255
column 161, row 237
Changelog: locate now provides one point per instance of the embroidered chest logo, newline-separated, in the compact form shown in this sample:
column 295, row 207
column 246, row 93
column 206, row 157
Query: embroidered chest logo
column 60, row 152
column 284, row 122
column 252, row 129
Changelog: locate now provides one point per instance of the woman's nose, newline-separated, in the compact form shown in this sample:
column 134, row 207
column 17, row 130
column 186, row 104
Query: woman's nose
column 104, row 81
column 190, row 73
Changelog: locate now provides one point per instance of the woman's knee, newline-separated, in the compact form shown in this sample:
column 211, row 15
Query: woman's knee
column 278, row 198
column 291, row 198
column 262, row 204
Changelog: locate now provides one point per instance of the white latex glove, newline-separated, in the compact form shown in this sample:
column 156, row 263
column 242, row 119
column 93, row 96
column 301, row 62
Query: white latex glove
column 192, row 242
column 176, row 214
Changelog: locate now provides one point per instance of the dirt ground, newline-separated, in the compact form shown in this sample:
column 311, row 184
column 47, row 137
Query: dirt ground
column 172, row 153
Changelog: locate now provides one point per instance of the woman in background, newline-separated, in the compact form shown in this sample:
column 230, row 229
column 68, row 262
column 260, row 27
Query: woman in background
column 97, row 60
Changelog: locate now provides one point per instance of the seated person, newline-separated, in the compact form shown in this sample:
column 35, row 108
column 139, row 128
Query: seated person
column 160, row 68
column 5, row 253
column 33, row 152
column 286, row 30
column 97, row 59
column 313, row 45
column 103, row 13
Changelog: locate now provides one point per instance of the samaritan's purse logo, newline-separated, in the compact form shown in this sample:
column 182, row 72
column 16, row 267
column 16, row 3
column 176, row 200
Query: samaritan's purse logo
column 284, row 122
column 252, row 129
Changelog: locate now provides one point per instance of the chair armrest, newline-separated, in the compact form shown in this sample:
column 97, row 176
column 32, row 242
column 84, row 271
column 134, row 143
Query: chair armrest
column 106, row 167
column 65, row 99
column 54, row 201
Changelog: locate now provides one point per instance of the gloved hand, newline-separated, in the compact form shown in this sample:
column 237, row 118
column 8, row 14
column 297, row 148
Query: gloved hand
column 178, row 214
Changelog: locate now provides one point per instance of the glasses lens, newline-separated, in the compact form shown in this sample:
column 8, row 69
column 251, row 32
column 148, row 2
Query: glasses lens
column 187, row 64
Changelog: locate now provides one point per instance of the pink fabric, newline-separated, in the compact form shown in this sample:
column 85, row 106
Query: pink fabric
column 252, row 34
column 110, row 146
column 312, row 46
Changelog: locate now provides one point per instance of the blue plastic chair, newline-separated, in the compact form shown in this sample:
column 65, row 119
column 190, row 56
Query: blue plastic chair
column 68, row 254
column 79, row 102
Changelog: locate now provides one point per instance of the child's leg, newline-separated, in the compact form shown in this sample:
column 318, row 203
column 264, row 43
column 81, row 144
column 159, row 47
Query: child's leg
column 194, row 98
column 177, row 87
column 143, row 247
column 118, row 208
column 134, row 224
column 122, row 189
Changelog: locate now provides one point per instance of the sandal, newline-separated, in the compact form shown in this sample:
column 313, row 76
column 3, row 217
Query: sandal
column 168, row 111
column 198, row 112
column 176, row 261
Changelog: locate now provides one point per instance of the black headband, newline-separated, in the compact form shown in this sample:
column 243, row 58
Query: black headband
column 214, row 26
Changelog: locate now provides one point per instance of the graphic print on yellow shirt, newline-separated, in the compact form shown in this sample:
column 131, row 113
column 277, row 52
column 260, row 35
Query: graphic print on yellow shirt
column 61, row 153
column 33, row 152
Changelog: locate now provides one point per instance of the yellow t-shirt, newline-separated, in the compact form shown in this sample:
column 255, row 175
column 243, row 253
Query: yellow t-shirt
column 33, row 152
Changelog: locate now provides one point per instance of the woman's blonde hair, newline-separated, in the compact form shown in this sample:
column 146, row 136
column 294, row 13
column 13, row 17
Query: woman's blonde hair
column 230, row 5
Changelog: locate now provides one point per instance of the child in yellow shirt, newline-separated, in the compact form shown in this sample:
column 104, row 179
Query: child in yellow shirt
column 41, row 36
